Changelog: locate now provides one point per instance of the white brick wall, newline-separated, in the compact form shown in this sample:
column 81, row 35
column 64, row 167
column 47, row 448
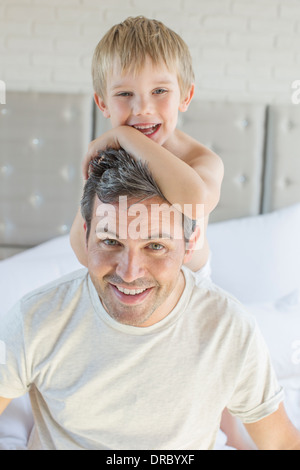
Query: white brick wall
column 243, row 50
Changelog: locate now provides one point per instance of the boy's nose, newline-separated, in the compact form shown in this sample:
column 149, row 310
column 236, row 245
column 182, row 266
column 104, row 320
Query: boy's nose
column 142, row 105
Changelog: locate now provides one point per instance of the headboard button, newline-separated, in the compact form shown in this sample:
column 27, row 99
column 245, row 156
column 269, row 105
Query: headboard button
column 244, row 123
column 36, row 142
column 36, row 200
column 6, row 170
column 287, row 125
column 68, row 172
column 241, row 179
column 63, row 229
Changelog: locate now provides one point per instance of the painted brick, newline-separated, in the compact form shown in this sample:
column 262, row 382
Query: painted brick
column 238, row 47
column 230, row 23
column 29, row 12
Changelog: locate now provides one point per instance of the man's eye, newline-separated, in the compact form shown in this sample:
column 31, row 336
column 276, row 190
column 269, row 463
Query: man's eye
column 110, row 242
column 156, row 246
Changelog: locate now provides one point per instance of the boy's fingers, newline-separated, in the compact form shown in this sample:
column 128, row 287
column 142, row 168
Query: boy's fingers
column 85, row 167
column 93, row 149
column 88, row 157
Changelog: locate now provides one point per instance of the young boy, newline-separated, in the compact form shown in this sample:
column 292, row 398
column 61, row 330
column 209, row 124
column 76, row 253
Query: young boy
column 142, row 76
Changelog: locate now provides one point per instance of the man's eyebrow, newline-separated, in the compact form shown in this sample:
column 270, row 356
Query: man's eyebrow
column 161, row 236
column 155, row 236
column 107, row 232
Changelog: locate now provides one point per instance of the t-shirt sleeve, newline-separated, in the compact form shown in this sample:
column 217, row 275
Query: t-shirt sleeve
column 13, row 376
column 257, row 393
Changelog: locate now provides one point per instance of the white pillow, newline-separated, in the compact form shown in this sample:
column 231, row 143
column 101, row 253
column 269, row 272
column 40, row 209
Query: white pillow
column 279, row 323
column 257, row 259
column 19, row 275
column 32, row 268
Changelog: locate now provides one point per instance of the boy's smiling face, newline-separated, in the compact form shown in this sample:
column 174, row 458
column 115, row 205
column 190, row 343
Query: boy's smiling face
column 148, row 100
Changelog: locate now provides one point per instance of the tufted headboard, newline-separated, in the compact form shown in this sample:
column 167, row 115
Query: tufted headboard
column 42, row 140
column 43, row 137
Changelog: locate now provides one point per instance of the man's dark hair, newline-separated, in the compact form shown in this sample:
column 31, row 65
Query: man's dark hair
column 114, row 173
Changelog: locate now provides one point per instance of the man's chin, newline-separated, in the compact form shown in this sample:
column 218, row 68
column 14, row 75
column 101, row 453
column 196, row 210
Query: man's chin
column 128, row 309
column 141, row 310
column 129, row 315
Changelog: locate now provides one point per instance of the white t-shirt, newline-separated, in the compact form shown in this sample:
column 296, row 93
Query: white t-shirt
column 97, row 384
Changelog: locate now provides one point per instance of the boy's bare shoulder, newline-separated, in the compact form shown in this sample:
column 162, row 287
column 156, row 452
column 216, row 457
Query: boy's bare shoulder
column 203, row 160
column 190, row 150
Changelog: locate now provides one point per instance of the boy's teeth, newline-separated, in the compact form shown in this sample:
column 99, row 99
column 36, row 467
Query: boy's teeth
column 146, row 129
column 146, row 126
column 130, row 291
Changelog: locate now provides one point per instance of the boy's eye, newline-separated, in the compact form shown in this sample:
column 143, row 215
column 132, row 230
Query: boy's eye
column 160, row 91
column 124, row 93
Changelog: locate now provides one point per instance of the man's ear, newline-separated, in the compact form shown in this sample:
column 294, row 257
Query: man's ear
column 192, row 244
column 185, row 102
column 86, row 241
column 101, row 105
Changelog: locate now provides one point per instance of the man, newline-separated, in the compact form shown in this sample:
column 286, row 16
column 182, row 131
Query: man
column 131, row 354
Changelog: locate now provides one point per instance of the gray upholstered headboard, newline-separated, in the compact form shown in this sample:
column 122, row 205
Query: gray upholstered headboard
column 43, row 137
column 42, row 140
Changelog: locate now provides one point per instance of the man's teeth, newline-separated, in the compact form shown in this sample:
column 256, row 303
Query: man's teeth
column 130, row 291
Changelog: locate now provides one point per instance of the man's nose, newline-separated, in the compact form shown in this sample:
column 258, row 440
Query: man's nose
column 130, row 266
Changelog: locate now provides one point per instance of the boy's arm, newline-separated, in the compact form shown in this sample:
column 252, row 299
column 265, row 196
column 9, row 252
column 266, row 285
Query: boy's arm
column 4, row 402
column 197, row 180
column 275, row 432
column 77, row 239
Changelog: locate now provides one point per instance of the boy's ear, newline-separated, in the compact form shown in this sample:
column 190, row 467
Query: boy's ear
column 101, row 105
column 192, row 244
column 187, row 99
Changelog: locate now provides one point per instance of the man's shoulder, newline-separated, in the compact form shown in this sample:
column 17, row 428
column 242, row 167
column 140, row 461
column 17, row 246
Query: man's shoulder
column 46, row 307
column 68, row 282
column 217, row 306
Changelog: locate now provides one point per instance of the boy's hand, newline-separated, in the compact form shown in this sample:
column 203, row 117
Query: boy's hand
column 107, row 140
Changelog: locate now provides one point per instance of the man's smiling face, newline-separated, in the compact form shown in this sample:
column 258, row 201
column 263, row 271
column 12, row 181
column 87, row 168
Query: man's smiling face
column 135, row 262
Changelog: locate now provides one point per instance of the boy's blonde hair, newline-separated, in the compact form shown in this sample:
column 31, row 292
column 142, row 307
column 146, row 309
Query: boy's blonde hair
column 131, row 42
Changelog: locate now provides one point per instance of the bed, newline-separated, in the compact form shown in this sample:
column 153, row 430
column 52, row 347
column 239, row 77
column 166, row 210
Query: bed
column 254, row 232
